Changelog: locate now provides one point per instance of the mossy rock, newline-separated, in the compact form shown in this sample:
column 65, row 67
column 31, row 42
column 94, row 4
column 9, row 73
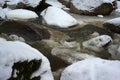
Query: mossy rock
column 82, row 34
column 29, row 31
column 25, row 70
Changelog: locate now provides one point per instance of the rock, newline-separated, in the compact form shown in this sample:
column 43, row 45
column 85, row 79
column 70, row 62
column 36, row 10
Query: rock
column 26, row 30
column 64, row 21
column 20, row 61
column 21, row 14
column 65, row 2
column 113, row 25
column 92, row 7
column 114, row 47
column 84, row 33
column 97, row 43
column 92, row 69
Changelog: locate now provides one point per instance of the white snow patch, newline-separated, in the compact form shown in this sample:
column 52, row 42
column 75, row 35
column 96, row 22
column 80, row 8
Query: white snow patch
column 92, row 69
column 89, row 5
column 115, row 21
column 100, row 16
column 55, row 3
column 57, row 17
column 12, row 52
column 21, row 14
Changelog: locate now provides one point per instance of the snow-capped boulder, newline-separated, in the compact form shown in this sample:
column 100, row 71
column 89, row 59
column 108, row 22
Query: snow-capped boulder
column 92, row 7
column 97, row 43
column 113, row 25
column 21, row 14
column 54, row 16
column 20, row 61
column 92, row 69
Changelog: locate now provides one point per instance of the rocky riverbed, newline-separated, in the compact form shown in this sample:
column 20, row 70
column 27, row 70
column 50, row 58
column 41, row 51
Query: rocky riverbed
column 57, row 43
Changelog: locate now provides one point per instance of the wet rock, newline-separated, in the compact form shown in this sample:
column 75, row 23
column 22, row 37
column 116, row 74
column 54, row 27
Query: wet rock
column 81, row 34
column 27, row 30
column 99, row 8
column 113, row 25
column 114, row 47
column 65, row 2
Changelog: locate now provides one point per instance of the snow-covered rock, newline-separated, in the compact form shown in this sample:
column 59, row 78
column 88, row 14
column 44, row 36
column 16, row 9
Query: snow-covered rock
column 92, row 7
column 21, row 14
column 113, row 25
column 3, row 12
column 55, row 3
column 97, row 43
column 92, row 69
column 57, row 17
column 14, row 53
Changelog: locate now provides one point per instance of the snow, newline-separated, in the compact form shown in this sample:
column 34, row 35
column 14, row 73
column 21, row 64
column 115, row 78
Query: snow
column 12, row 52
column 115, row 21
column 21, row 14
column 92, row 69
column 89, row 5
column 97, row 43
column 57, row 17
column 100, row 16
column 3, row 12
column 55, row 3
column 1, row 3
column 32, row 3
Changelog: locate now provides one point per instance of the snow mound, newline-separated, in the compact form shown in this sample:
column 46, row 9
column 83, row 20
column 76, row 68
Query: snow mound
column 89, row 5
column 21, row 14
column 115, row 21
column 57, row 17
column 12, row 52
column 92, row 69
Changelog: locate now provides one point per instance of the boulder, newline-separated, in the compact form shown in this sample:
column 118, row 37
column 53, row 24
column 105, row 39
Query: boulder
column 65, row 2
column 113, row 25
column 19, row 61
column 97, row 43
column 54, row 13
column 26, row 30
column 92, row 7
column 21, row 14
column 92, row 69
